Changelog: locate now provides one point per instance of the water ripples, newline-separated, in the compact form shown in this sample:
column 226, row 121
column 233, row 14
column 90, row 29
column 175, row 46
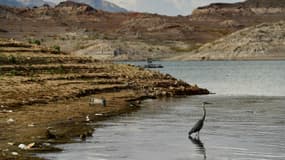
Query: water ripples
column 237, row 126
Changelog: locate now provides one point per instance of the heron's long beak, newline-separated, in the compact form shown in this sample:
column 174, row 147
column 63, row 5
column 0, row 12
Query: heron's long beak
column 207, row 103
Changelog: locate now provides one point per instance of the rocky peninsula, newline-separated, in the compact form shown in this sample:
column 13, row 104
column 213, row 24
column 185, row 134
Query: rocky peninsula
column 45, row 95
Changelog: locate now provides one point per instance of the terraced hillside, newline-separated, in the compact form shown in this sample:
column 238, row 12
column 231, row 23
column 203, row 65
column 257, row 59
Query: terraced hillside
column 44, row 92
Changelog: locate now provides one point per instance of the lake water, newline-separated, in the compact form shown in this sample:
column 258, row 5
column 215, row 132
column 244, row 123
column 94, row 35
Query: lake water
column 245, row 122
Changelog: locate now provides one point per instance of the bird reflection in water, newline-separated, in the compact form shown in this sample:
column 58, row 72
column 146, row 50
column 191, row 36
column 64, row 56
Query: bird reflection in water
column 199, row 146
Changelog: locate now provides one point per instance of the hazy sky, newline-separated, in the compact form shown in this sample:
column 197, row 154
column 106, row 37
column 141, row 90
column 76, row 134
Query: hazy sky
column 168, row 7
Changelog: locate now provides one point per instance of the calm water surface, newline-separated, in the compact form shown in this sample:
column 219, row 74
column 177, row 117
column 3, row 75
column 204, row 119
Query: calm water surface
column 245, row 122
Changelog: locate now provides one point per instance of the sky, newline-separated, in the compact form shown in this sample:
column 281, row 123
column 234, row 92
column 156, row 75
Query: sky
column 165, row 7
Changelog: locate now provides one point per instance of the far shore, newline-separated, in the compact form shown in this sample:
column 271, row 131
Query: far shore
column 212, row 59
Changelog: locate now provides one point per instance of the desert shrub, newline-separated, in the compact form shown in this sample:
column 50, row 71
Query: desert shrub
column 35, row 41
column 12, row 59
column 56, row 48
column 2, row 57
column 13, row 73
column 59, row 70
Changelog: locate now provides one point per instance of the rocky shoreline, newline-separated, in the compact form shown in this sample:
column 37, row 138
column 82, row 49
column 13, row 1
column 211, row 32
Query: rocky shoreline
column 45, row 96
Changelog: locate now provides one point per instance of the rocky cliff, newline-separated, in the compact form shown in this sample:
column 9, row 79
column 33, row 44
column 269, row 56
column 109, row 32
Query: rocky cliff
column 71, row 7
column 247, row 8
column 242, row 14
column 263, row 41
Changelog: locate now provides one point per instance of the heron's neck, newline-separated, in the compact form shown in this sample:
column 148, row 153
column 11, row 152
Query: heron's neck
column 204, row 109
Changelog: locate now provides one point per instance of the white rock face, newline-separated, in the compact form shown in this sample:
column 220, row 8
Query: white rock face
column 264, row 41
column 102, row 5
column 267, row 10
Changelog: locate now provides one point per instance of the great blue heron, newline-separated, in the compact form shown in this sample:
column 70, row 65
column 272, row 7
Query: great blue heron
column 199, row 125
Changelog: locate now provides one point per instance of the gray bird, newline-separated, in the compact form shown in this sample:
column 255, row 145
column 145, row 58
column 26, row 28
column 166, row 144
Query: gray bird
column 199, row 125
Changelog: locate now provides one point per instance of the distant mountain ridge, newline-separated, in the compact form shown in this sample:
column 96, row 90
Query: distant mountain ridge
column 96, row 4
column 102, row 5
column 35, row 3
column 25, row 3
column 12, row 3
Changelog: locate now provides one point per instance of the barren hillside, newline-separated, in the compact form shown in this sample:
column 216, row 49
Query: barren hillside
column 264, row 41
column 77, row 27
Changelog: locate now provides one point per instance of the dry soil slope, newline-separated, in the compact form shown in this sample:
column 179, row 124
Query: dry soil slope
column 264, row 41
